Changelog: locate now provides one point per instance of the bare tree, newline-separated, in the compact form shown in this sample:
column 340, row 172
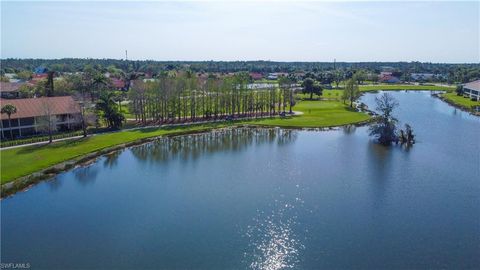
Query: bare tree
column 48, row 121
column 87, row 116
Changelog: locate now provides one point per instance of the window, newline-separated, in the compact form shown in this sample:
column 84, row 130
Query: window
column 26, row 121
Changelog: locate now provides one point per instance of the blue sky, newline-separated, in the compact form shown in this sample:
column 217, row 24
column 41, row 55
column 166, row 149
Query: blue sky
column 247, row 30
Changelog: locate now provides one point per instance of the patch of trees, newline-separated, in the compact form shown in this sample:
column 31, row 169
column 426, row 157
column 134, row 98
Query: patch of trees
column 189, row 98
column 385, row 129
column 108, row 110
column 9, row 109
column 351, row 92
column 310, row 87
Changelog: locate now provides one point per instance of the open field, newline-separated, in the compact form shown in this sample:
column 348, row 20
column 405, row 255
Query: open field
column 23, row 161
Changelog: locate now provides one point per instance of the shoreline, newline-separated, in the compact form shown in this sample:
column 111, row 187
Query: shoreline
column 23, row 183
column 456, row 105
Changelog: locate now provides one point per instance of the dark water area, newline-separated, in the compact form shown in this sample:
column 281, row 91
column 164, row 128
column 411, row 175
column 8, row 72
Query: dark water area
column 264, row 199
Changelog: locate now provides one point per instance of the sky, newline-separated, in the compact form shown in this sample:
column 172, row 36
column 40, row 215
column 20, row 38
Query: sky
column 440, row 32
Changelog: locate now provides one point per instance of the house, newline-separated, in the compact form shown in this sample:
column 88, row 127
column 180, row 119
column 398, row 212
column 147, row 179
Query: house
column 32, row 112
column 41, row 70
column 119, row 84
column 472, row 90
column 387, row 77
column 256, row 75
column 272, row 76
column 12, row 77
column 422, row 76
column 10, row 89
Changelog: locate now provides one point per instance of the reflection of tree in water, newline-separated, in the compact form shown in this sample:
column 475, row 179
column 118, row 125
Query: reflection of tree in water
column 380, row 160
column 86, row 175
column 349, row 129
column 111, row 160
column 194, row 146
column 54, row 184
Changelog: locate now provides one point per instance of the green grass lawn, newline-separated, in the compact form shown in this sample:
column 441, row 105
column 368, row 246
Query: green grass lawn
column 460, row 100
column 317, row 114
column 18, row 162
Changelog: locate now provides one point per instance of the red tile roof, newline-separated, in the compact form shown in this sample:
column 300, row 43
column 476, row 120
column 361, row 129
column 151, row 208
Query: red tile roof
column 117, row 83
column 256, row 76
column 31, row 107
column 10, row 86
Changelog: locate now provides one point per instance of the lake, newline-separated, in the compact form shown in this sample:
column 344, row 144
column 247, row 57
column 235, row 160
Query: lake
column 264, row 199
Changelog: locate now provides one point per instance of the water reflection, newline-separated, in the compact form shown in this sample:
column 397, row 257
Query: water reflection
column 380, row 160
column 54, row 184
column 418, row 209
column 191, row 147
column 111, row 160
column 349, row 129
column 86, row 175
column 273, row 242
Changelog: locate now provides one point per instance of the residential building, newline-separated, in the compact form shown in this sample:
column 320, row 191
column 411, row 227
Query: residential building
column 256, row 75
column 10, row 89
column 425, row 77
column 472, row 90
column 387, row 77
column 274, row 76
column 41, row 70
column 119, row 84
column 32, row 112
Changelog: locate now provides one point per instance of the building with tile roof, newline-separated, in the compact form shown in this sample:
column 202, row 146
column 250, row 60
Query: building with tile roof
column 30, row 111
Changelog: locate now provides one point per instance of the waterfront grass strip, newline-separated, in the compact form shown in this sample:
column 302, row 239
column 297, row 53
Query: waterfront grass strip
column 18, row 162
column 461, row 101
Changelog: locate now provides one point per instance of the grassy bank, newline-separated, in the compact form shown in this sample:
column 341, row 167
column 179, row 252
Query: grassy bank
column 22, row 161
column 460, row 101
column 26, row 160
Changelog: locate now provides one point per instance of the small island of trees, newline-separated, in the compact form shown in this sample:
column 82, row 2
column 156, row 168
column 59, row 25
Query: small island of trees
column 384, row 129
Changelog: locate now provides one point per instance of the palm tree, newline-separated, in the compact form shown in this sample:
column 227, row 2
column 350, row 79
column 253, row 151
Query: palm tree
column 9, row 109
column 107, row 105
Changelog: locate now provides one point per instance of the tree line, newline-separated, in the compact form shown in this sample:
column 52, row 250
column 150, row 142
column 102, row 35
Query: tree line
column 190, row 98
column 454, row 72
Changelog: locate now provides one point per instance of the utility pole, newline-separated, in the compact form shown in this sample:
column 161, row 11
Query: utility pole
column 126, row 55
column 334, row 62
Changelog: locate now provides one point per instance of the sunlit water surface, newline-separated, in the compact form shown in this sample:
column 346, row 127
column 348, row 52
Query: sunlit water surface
column 264, row 199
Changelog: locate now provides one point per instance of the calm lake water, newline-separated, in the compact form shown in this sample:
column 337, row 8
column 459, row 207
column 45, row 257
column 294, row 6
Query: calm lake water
column 264, row 199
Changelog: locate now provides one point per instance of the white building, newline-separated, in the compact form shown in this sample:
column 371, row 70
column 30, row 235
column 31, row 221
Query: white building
column 472, row 90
